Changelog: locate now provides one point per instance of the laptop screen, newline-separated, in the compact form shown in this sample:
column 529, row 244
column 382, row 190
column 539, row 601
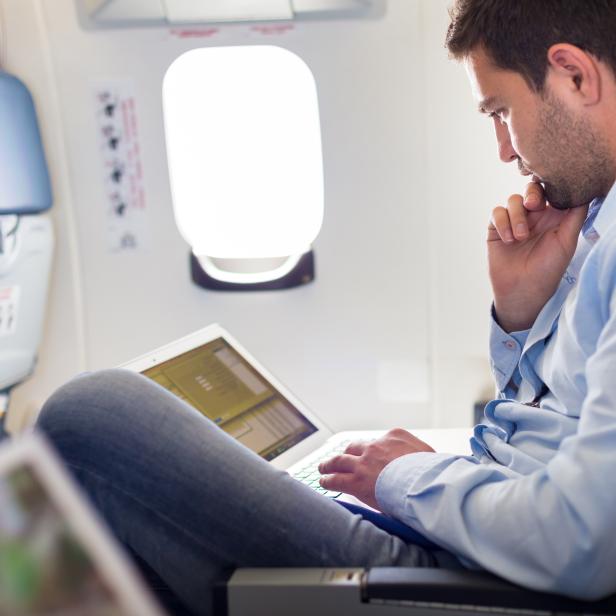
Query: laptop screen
column 216, row 380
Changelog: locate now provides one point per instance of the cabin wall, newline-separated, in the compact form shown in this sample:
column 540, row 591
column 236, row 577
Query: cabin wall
column 394, row 329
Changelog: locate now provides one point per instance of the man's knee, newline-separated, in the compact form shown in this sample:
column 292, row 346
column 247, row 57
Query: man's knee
column 93, row 403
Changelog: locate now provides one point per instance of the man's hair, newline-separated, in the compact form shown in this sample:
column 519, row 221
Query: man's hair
column 516, row 34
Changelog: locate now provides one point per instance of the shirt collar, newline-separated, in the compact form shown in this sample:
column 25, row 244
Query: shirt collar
column 602, row 213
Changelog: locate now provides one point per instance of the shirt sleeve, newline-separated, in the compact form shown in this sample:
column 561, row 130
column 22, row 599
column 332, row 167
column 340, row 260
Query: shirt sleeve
column 505, row 352
column 552, row 529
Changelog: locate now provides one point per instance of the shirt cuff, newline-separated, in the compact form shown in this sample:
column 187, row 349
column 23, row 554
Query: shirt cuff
column 505, row 351
column 395, row 481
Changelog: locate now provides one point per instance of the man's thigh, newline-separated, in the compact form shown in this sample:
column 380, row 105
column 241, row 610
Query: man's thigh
column 188, row 499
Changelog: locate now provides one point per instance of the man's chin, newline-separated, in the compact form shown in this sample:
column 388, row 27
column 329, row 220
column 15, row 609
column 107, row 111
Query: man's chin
column 561, row 205
column 555, row 197
column 560, row 200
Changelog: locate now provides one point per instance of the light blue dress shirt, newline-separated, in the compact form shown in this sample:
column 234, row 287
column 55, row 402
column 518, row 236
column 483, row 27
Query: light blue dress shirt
column 536, row 501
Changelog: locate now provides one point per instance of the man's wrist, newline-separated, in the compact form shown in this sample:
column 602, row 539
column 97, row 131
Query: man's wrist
column 512, row 320
column 510, row 326
column 394, row 481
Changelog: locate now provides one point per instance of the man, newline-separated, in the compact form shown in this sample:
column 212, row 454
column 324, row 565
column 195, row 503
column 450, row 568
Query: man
column 536, row 501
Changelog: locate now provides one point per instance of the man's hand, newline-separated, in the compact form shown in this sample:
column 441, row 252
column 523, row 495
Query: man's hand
column 357, row 469
column 530, row 245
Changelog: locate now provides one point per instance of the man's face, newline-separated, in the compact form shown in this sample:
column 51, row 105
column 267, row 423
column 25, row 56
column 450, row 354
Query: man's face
column 557, row 145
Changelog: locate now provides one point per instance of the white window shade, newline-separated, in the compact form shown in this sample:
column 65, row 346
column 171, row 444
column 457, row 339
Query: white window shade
column 244, row 152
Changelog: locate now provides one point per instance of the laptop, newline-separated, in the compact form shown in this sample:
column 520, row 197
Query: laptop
column 55, row 555
column 211, row 371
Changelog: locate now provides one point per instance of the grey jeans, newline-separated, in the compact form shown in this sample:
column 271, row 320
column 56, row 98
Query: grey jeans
column 189, row 502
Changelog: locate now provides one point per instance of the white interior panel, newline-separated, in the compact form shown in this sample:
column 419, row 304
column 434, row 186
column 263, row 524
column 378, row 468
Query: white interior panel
column 411, row 176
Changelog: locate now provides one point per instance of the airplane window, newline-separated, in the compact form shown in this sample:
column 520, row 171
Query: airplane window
column 244, row 152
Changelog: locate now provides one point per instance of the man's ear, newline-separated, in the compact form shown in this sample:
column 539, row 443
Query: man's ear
column 571, row 70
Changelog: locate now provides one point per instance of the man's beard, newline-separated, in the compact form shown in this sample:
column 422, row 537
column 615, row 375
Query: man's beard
column 580, row 157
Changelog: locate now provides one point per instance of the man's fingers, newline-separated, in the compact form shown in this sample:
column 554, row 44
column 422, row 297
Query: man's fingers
column 515, row 221
column 517, row 217
column 400, row 433
column 534, row 197
column 500, row 226
column 356, row 448
column 341, row 482
column 492, row 232
column 344, row 463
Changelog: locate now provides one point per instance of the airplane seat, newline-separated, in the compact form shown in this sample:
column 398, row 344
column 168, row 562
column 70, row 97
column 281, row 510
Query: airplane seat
column 26, row 237
column 385, row 591
column 395, row 591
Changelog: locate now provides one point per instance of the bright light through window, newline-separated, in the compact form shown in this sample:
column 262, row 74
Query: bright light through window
column 244, row 151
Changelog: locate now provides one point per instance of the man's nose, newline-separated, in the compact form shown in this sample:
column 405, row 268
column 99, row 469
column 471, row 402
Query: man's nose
column 506, row 152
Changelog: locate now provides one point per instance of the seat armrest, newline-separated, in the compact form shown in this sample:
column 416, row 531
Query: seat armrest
column 460, row 587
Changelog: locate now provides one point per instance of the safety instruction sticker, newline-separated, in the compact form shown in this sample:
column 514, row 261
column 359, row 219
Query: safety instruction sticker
column 121, row 164
column 9, row 309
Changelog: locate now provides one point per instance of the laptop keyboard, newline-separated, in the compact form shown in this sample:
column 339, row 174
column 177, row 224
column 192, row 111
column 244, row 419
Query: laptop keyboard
column 309, row 475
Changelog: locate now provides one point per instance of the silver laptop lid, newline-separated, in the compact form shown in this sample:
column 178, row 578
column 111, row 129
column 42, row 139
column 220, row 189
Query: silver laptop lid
column 215, row 375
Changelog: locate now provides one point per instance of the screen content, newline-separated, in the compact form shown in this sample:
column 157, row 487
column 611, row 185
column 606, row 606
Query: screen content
column 223, row 386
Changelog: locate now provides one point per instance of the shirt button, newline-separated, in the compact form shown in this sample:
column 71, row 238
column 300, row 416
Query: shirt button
column 510, row 344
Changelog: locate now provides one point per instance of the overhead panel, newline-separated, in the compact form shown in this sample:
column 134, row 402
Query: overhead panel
column 127, row 10
column 199, row 11
column 94, row 5
column 129, row 13
column 323, row 6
